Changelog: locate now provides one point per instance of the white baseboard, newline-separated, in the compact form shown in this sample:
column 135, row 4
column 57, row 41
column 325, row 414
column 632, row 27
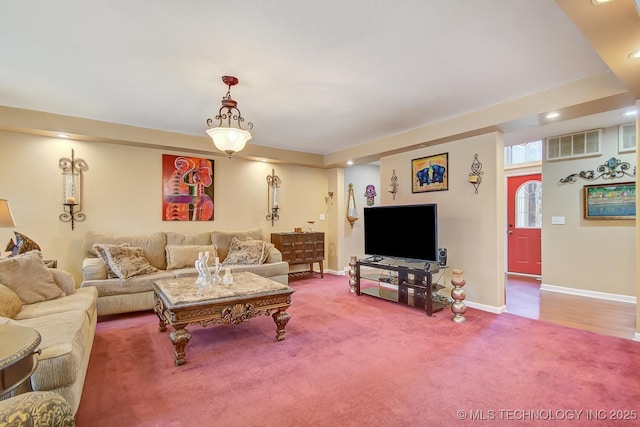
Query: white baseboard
column 636, row 336
column 591, row 294
column 484, row 307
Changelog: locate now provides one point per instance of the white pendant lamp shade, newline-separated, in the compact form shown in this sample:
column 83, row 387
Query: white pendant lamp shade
column 228, row 135
column 229, row 140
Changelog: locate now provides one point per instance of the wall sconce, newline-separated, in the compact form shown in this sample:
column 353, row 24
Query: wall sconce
column 329, row 197
column 393, row 187
column 72, row 169
column 352, row 211
column 476, row 171
column 229, row 139
column 273, row 196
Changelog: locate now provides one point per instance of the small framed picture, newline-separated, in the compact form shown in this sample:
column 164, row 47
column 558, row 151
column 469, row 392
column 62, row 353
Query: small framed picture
column 610, row 201
column 430, row 173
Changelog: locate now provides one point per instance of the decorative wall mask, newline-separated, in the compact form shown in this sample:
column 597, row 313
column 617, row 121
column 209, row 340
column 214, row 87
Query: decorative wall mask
column 370, row 194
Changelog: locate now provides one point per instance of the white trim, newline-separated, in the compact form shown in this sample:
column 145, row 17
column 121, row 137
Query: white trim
column 591, row 294
column 636, row 336
column 523, row 169
column 533, row 276
column 484, row 307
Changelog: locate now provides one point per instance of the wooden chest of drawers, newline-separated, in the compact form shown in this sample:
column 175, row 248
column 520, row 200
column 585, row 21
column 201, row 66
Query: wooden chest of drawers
column 301, row 248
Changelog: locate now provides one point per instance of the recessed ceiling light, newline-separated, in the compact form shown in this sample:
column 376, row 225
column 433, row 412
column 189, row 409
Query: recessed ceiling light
column 599, row 2
column 631, row 113
column 350, row 162
column 552, row 115
column 635, row 54
column 63, row 135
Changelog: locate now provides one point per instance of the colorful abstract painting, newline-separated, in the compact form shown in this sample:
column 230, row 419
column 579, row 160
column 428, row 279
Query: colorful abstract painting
column 187, row 188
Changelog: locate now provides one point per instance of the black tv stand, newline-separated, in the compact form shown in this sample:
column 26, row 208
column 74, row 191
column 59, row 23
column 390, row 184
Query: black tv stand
column 411, row 286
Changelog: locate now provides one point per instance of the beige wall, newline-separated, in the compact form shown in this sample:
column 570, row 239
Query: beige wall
column 470, row 225
column 591, row 255
column 353, row 238
column 122, row 193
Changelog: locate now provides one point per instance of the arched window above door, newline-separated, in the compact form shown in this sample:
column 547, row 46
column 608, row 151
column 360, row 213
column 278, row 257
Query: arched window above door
column 529, row 205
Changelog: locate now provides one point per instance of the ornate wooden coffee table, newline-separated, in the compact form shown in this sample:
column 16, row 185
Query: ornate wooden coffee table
column 179, row 304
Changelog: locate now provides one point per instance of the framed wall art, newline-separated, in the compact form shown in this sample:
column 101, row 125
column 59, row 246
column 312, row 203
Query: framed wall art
column 610, row 201
column 187, row 188
column 430, row 173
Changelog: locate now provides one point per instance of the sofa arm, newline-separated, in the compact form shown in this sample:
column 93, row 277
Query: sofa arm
column 64, row 280
column 93, row 269
column 274, row 256
column 33, row 408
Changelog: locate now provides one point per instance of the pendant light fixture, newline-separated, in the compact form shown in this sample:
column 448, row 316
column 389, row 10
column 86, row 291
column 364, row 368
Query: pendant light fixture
column 227, row 136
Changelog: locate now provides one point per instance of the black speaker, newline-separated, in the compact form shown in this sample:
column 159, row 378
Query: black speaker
column 442, row 257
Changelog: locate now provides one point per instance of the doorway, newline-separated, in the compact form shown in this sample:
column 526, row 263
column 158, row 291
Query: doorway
column 524, row 224
column 524, row 251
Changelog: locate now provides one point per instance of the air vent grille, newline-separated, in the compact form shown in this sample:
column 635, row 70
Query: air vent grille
column 580, row 144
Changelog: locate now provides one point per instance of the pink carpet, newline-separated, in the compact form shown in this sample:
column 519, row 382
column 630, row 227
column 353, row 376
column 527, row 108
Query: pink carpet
column 354, row 361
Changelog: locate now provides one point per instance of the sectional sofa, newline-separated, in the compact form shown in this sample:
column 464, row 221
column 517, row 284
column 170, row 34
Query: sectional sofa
column 65, row 318
column 171, row 255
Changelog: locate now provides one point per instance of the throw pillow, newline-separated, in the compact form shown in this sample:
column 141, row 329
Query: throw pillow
column 100, row 250
column 222, row 239
column 22, row 245
column 180, row 256
column 246, row 252
column 128, row 261
column 25, row 244
column 10, row 303
column 28, row 277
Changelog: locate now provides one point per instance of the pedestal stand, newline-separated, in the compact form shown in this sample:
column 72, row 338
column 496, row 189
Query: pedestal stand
column 353, row 262
column 458, row 294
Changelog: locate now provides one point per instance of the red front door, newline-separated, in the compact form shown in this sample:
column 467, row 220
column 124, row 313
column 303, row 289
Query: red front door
column 524, row 222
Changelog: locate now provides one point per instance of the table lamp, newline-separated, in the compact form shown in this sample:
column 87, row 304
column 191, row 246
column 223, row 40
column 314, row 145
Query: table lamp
column 6, row 217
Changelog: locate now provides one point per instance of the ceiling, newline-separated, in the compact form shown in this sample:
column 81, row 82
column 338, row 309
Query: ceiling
column 326, row 76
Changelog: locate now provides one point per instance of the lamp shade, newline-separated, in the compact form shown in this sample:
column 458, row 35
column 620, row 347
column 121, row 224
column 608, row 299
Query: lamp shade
column 6, row 217
column 228, row 139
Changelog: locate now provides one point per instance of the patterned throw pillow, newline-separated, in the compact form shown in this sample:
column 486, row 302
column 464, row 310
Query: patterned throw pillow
column 100, row 249
column 128, row 261
column 247, row 252
column 22, row 245
column 25, row 244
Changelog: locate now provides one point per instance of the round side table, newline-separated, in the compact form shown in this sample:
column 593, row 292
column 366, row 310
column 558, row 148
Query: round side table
column 18, row 358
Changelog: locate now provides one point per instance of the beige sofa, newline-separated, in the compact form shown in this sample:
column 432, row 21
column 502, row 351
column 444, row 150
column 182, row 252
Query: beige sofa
column 67, row 325
column 116, row 295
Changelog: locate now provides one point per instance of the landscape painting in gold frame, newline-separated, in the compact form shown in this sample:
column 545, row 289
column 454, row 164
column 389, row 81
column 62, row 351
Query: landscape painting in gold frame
column 430, row 173
column 610, row 201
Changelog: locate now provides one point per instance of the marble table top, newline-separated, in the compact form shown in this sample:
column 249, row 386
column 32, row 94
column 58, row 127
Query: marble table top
column 183, row 290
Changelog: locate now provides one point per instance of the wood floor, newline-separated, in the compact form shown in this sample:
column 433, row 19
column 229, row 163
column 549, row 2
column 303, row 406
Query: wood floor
column 524, row 298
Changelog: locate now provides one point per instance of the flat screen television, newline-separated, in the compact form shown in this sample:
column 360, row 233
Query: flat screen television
column 408, row 232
